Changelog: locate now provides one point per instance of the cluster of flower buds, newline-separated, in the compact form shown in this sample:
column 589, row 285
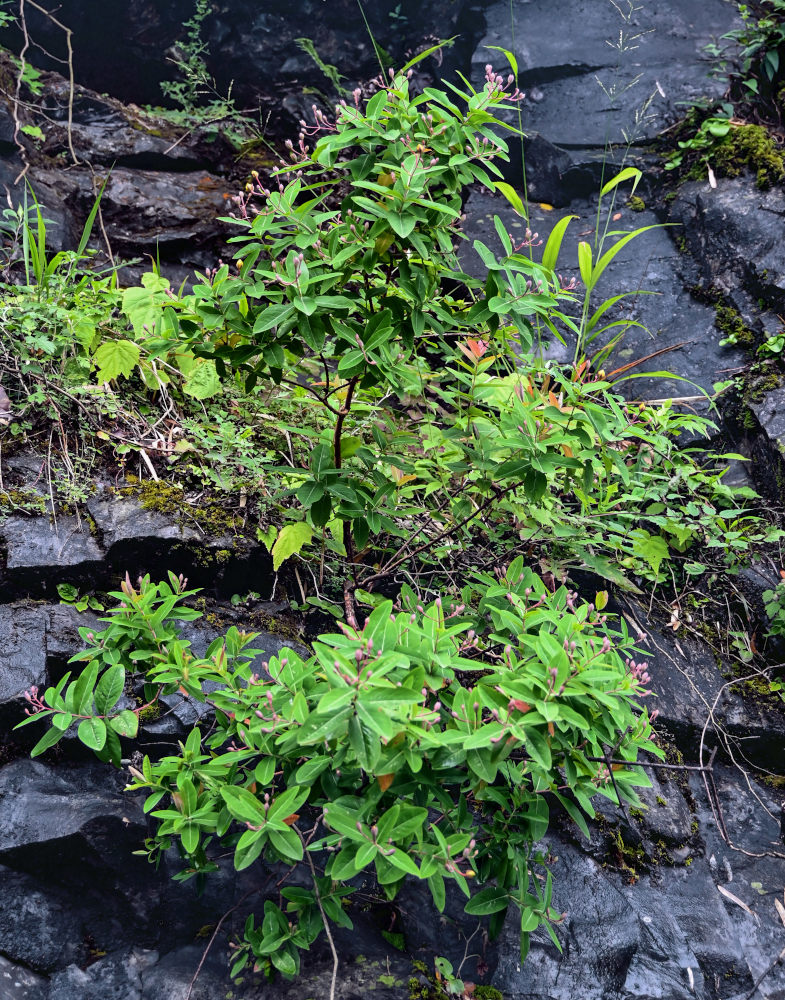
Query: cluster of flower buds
column 639, row 672
column 465, row 857
column 530, row 239
column 31, row 697
column 272, row 718
column 495, row 84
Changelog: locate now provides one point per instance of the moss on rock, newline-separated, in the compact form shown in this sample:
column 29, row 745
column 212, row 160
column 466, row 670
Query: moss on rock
column 745, row 148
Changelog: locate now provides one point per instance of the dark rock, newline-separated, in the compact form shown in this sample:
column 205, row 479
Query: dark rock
column 582, row 92
column 770, row 411
column 106, row 132
column 7, row 127
column 172, row 974
column 144, row 209
column 44, row 807
column 116, row 977
column 545, row 168
column 665, row 934
column 18, row 983
column 63, row 622
column 767, row 445
column 250, row 48
column 62, row 228
column 735, row 231
column 138, row 540
column 42, row 553
column 22, row 662
column 691, row 683
column 40, row 925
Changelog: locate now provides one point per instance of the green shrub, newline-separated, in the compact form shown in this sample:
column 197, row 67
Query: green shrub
column 428, row 743
column 435, row 404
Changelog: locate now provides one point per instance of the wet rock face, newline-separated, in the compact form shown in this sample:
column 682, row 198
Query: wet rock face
column 250, row 46
column 590, row 68
column 119, row 535
column 735, row 230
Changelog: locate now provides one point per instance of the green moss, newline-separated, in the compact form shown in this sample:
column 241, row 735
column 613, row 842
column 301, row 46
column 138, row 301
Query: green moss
column 661, row 801
column 150, row 713
column 211, row 516
column 762, row 382
column 24, row 501
column 487, row 993
column 750, row 147
column 732, row 327
column 748, row 419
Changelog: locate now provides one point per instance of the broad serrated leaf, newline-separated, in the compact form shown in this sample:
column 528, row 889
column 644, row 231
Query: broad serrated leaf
column 202, row 381
column 114, row 358
column 291, row 539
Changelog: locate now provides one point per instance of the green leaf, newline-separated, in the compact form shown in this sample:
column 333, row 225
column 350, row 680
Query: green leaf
column 310, row 492
column 286, row 803
column 48, row 740
column 308, row 772
column 629, row 173
column 109, row 689
column 509, row 55
column 584, row 263
column 284, row 962
column 491, row 899
column 550, row 254
column 287, row 843
column 321, row 460
column 403, row 862
column 609, row 571
column 652, row 548
column 92, row 732
column 512, row 196
column 125, row 724
column 243, row 805
column 248, row 849
column 436, row 885
column 291, row 539
column 114, row 358
column 202, row 381
column 190, row 837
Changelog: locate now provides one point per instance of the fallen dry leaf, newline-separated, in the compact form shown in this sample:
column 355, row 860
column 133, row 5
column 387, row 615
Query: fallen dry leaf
column 735, row 899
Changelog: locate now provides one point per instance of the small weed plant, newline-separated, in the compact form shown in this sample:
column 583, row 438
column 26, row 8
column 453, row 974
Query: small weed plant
column 761, row 39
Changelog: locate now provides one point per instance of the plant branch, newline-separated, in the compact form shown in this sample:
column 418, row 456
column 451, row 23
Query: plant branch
column 327, row 930
column 385, row 571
